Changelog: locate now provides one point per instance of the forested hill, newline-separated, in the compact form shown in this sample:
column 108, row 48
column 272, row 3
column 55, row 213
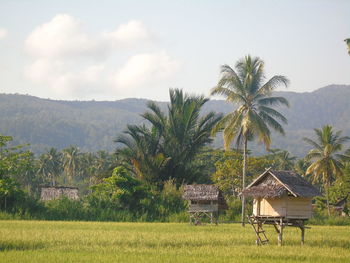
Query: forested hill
column 93, row 125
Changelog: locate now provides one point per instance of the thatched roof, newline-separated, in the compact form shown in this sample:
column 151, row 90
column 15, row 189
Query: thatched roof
column 273, row 184
column 198, row 192
column 57, row 187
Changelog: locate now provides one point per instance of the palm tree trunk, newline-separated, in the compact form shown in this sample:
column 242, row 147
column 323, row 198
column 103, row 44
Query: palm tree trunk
column 327, row 199
column 243, row 177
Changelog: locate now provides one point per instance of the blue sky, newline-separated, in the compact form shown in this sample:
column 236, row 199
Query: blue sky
column 108, row 50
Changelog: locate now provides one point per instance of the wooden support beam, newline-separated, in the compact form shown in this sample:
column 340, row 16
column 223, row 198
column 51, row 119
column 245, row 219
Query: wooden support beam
column 302, row 235
column 280, row 234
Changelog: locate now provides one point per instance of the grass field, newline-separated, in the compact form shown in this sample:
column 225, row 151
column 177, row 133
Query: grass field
column 49, row 241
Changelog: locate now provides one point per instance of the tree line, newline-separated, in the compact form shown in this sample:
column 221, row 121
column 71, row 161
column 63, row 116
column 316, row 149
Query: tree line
column 143, row 178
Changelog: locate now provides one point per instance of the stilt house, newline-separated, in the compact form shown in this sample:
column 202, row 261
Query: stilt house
column 204, row 200
column 281, row 198
column 282, row 194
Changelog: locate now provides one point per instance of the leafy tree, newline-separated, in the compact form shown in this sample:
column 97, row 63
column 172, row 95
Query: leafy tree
column 341, row 187
column 325, row 157
column 228, row 174
column 244, row 87
column 168, row 148
column 120, row 191
column 17, row 163
column 10, row 192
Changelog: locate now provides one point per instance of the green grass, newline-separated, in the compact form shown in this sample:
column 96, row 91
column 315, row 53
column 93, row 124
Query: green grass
column 56, row 241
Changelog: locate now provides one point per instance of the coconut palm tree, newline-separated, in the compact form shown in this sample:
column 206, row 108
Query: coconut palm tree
column 326, row 160
column 282, row 159
column 301, row 166
column 254, row 116
column 50, row 165
column 70, row 160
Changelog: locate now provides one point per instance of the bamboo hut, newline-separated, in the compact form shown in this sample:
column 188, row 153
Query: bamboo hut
column 54, row 192
column 281, row 198
column 204, row 201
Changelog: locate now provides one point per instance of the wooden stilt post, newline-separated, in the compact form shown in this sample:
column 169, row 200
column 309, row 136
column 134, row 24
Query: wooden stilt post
column 280, row 233
column 302, row 228
column 302, row 235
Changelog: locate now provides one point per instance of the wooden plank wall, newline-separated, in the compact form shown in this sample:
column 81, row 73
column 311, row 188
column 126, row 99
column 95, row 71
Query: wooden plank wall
column 287, row 206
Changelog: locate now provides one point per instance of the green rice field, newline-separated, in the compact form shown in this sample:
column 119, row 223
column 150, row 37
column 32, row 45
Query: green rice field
column 56, row 241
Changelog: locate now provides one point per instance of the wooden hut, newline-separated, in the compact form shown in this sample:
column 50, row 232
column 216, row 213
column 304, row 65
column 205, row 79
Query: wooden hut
column 281, row 198
column 204, row 201
column 54, row 192
column 340, row 208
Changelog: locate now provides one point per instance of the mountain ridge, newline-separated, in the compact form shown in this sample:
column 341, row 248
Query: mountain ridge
column 93, row 125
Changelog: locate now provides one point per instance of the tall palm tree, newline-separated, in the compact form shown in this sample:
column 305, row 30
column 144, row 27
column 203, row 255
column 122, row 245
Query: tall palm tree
column 50, row 165
column 254, row 117
column 70, row 160
column 326, row 160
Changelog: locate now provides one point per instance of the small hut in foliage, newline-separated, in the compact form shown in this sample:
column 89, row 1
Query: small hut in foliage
column 340, row 208
column 54, row 192
column 281, row 198
column 204, row 201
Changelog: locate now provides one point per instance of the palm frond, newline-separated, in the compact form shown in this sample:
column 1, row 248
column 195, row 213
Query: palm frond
column 273, row 101
column 270, row 111
column 312, row 143
column 273, row 83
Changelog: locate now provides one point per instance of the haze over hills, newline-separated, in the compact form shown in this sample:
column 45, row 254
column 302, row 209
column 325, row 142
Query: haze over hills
column 93, row 125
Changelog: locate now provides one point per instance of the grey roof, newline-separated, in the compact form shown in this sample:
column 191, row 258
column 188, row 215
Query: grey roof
column 273, row 184
column 199, row 192
column 341, row 203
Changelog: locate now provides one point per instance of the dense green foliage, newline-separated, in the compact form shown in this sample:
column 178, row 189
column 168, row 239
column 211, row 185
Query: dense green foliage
column 168, row 148
column 143, row 181
column 41, row 242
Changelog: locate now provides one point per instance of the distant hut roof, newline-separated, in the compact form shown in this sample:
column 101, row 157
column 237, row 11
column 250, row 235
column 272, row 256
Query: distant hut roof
column 200, row 192
column 58, row 187
column 341, row 203
column 272, row 184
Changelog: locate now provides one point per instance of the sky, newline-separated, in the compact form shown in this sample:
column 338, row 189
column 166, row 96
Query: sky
column 110, row 50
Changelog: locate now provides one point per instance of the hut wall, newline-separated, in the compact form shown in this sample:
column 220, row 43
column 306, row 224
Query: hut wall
column 203, row 206
column 299, row 207
column 50, row 193
column 273, row 207
column 294, row 207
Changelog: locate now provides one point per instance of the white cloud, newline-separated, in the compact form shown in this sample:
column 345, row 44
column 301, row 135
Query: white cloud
column 129, row 34
column 143, row 69
column 3, row 33
column 72, row 63
column 63, row 36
